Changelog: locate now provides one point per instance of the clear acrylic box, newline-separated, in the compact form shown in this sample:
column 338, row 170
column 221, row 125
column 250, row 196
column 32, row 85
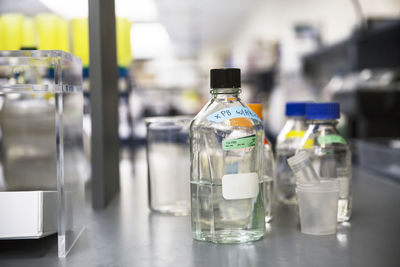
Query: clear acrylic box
column 41, row 109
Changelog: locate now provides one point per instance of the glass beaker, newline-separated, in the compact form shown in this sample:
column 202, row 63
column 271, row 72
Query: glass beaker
column 168, row 164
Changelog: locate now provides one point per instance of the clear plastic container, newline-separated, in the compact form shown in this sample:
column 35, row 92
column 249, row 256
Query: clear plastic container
column 226, row 171
column 329, row 151
column 168, row 164
column 41, row 133
column 287, row 142
column 318, row 205
column 302, row 168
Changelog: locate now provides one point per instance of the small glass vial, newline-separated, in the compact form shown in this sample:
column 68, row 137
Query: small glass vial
column 287, row 142
column 268, row 163
column 226, row 175
column 328, row 151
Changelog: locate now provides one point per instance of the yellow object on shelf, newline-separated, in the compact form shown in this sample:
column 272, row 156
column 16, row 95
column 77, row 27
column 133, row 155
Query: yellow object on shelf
column 80, row 39
column 28, row 37
column 63, row 36
column 52, row 32
column 123, row 32
column 2, row 35
column 11, row 31
column 47, row 31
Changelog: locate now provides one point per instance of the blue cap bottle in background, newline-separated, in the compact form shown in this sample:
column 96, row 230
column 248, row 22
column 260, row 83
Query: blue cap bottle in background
column 296, row 109
column 322, row 111
column 329, row 151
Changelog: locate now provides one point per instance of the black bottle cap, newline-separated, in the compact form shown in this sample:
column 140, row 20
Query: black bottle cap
column 225, row 78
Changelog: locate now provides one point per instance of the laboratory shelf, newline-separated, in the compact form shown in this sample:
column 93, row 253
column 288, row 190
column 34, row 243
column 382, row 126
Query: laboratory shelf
column 126, row 233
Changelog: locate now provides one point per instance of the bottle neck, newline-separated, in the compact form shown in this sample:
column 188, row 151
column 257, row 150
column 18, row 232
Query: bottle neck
column 296, row 118
column 225, row 93
column 323, row 122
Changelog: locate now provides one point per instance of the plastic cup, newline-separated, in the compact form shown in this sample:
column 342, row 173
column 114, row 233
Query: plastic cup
column 318, row 207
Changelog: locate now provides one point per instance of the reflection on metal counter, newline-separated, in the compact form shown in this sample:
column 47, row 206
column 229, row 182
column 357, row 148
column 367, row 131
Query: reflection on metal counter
column 380, row 155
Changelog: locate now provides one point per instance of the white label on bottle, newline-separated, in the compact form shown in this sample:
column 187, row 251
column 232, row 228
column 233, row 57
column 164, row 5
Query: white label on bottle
column 240, row 186
column 343, row 187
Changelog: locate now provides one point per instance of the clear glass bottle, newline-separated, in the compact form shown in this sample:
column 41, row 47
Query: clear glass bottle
column 226, row 180
column 328, row 151
column 268, row 163
column 287, row 142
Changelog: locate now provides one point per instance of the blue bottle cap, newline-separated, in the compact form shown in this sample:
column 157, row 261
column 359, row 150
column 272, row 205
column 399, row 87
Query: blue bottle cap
column 85, row 72
column 297, row 109
column 122, row 72
column 323, row 111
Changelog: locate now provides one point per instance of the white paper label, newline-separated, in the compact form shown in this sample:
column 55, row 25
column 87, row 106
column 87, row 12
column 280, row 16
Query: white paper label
column 343, row 187
column 240, row 186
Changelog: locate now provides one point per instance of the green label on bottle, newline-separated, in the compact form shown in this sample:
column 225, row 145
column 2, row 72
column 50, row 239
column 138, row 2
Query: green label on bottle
column 331, row 139
column 243, row 142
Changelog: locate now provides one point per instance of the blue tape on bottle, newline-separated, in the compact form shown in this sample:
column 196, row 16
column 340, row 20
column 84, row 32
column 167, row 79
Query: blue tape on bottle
column 232, row 113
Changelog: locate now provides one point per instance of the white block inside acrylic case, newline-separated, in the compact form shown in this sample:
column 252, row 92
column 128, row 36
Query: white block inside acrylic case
column 28, row 214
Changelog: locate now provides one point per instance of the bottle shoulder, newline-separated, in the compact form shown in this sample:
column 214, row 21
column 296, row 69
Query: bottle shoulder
column 315, row 131
column 323, row 137
column 292, row 132
column 226, row 114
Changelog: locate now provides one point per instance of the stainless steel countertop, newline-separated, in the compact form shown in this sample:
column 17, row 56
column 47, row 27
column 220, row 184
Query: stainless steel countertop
column 126, row 233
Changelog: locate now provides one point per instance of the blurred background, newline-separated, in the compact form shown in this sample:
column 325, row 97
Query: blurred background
column 288, row 50
column 344, row 50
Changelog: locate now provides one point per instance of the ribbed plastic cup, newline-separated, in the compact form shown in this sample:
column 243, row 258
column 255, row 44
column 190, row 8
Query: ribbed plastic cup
column 318, row 207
